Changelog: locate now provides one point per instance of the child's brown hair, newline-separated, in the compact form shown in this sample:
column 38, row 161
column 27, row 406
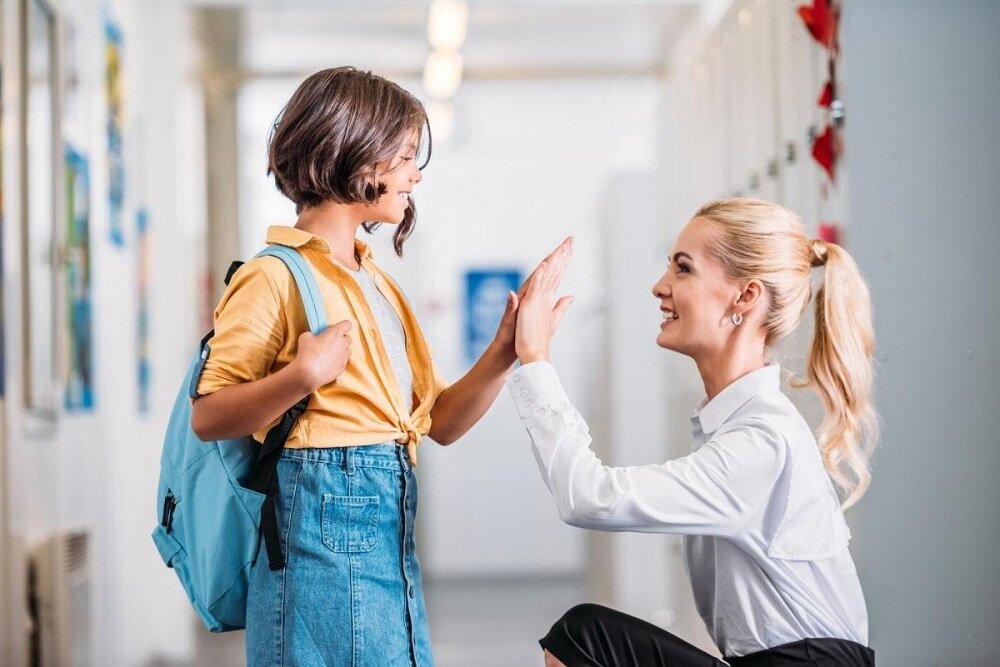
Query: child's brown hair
column 337, row 126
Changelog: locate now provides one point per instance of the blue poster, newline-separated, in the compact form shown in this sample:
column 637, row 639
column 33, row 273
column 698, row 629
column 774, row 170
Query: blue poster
column 142, row 324
column 80, row 381
column 485, row 300
column 3, row 344
column 115, row 129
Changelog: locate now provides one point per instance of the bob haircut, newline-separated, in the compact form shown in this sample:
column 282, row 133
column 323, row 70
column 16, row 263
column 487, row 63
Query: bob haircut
column 338, row 125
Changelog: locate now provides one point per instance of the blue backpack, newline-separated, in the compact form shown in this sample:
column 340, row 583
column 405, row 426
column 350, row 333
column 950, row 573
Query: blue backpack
column 217, row 498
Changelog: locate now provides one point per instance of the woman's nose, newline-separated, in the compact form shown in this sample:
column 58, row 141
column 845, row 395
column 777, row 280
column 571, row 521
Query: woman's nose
column 660, row 287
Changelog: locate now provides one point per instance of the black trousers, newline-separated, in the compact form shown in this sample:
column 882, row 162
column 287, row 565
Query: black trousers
column 590, row 635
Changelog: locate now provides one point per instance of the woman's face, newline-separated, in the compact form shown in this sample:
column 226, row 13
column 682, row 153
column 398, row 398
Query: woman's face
column 399, row 175
column 696, row 296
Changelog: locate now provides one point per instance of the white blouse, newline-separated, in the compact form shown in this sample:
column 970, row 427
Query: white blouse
column 765, row 540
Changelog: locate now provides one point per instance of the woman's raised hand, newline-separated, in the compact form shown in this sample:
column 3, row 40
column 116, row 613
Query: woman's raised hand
column 508, row 323
column 538, row 312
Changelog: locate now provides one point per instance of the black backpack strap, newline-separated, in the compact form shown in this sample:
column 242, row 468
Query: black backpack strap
column 232, row 269
column 263, row 478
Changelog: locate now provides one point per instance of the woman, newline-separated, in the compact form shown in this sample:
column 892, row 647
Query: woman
column 764, row 532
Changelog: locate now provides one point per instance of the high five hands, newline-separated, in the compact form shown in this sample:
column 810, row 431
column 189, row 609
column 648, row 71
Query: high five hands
column 533, row 314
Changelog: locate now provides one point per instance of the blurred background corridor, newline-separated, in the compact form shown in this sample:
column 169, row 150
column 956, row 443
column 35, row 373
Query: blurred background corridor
column 134, row 139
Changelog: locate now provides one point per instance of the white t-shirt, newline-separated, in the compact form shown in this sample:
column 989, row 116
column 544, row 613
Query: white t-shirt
column 765, row 538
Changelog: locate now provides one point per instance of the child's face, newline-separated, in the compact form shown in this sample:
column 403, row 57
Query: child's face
column 399, row 174
column 696, row 296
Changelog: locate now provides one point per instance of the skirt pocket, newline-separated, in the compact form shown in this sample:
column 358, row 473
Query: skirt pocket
column 350, row 523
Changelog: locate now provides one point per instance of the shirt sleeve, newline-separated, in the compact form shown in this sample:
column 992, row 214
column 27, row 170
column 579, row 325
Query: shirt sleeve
column 249, row 329
column 713, row 491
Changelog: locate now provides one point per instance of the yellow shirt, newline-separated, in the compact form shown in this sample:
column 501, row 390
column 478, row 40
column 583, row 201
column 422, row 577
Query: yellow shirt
column 257, row 326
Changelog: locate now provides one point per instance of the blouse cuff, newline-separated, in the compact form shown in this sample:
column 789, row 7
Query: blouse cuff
column 536, row 387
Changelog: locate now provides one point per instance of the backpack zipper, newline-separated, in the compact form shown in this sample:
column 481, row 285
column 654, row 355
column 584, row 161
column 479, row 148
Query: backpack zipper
column 169, row 504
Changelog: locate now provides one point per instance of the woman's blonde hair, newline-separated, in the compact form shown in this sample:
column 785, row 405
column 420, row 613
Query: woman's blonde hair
column 764, row 241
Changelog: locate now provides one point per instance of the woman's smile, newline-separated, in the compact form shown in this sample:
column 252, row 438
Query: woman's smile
column 669, row 317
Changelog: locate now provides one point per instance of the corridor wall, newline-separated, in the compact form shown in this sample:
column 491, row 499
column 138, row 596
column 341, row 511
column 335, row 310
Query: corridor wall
column 90, row 469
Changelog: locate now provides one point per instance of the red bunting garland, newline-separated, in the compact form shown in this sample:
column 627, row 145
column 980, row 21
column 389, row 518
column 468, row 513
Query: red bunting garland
column 827, row 96
column 824, row 151
column 828, row 232
column 822, row 20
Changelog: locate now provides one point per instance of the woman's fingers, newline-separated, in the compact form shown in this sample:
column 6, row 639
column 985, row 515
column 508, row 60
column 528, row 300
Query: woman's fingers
column 555, row 267
column 560, row 250
column 555, row 276
column 559, row 263
column 560, row 310
column 535, row 283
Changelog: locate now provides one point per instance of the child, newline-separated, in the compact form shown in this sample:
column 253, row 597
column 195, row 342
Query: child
column 344, row 150
column 765, row 541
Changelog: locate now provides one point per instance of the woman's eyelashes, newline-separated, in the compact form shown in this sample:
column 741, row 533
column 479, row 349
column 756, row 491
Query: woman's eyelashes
column 683, row 268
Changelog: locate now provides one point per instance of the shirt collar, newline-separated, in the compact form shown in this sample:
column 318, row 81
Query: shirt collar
column 294, row 237
column 713, row 414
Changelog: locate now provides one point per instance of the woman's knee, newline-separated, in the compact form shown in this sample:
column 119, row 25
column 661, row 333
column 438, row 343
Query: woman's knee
column 573, row 639
column 583, row 615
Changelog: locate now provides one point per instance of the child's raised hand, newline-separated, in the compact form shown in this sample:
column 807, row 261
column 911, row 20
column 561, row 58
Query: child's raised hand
column 321, row 359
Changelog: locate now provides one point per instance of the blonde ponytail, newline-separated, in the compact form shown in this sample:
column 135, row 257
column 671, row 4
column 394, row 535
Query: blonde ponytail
column 764, row 241
column 840, row 367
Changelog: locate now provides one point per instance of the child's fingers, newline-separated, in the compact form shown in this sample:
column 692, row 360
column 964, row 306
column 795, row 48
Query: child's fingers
column 510, row 310
column 337, row 330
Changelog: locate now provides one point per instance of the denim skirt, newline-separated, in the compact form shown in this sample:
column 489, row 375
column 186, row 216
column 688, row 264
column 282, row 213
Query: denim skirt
column 350, row 593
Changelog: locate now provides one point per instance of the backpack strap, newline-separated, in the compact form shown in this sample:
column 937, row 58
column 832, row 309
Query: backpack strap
column 308, row 289
column 263, row 477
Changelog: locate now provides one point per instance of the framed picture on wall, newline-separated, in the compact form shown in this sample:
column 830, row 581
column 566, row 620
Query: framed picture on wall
column 41, row 183
column 3, row 331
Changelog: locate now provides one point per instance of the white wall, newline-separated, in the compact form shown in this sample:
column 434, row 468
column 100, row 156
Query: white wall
column 96, row 471
column 922, row 98
column 633, row 571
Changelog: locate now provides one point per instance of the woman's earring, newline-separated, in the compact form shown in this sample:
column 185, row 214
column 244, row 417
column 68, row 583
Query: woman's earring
column 736, row 319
